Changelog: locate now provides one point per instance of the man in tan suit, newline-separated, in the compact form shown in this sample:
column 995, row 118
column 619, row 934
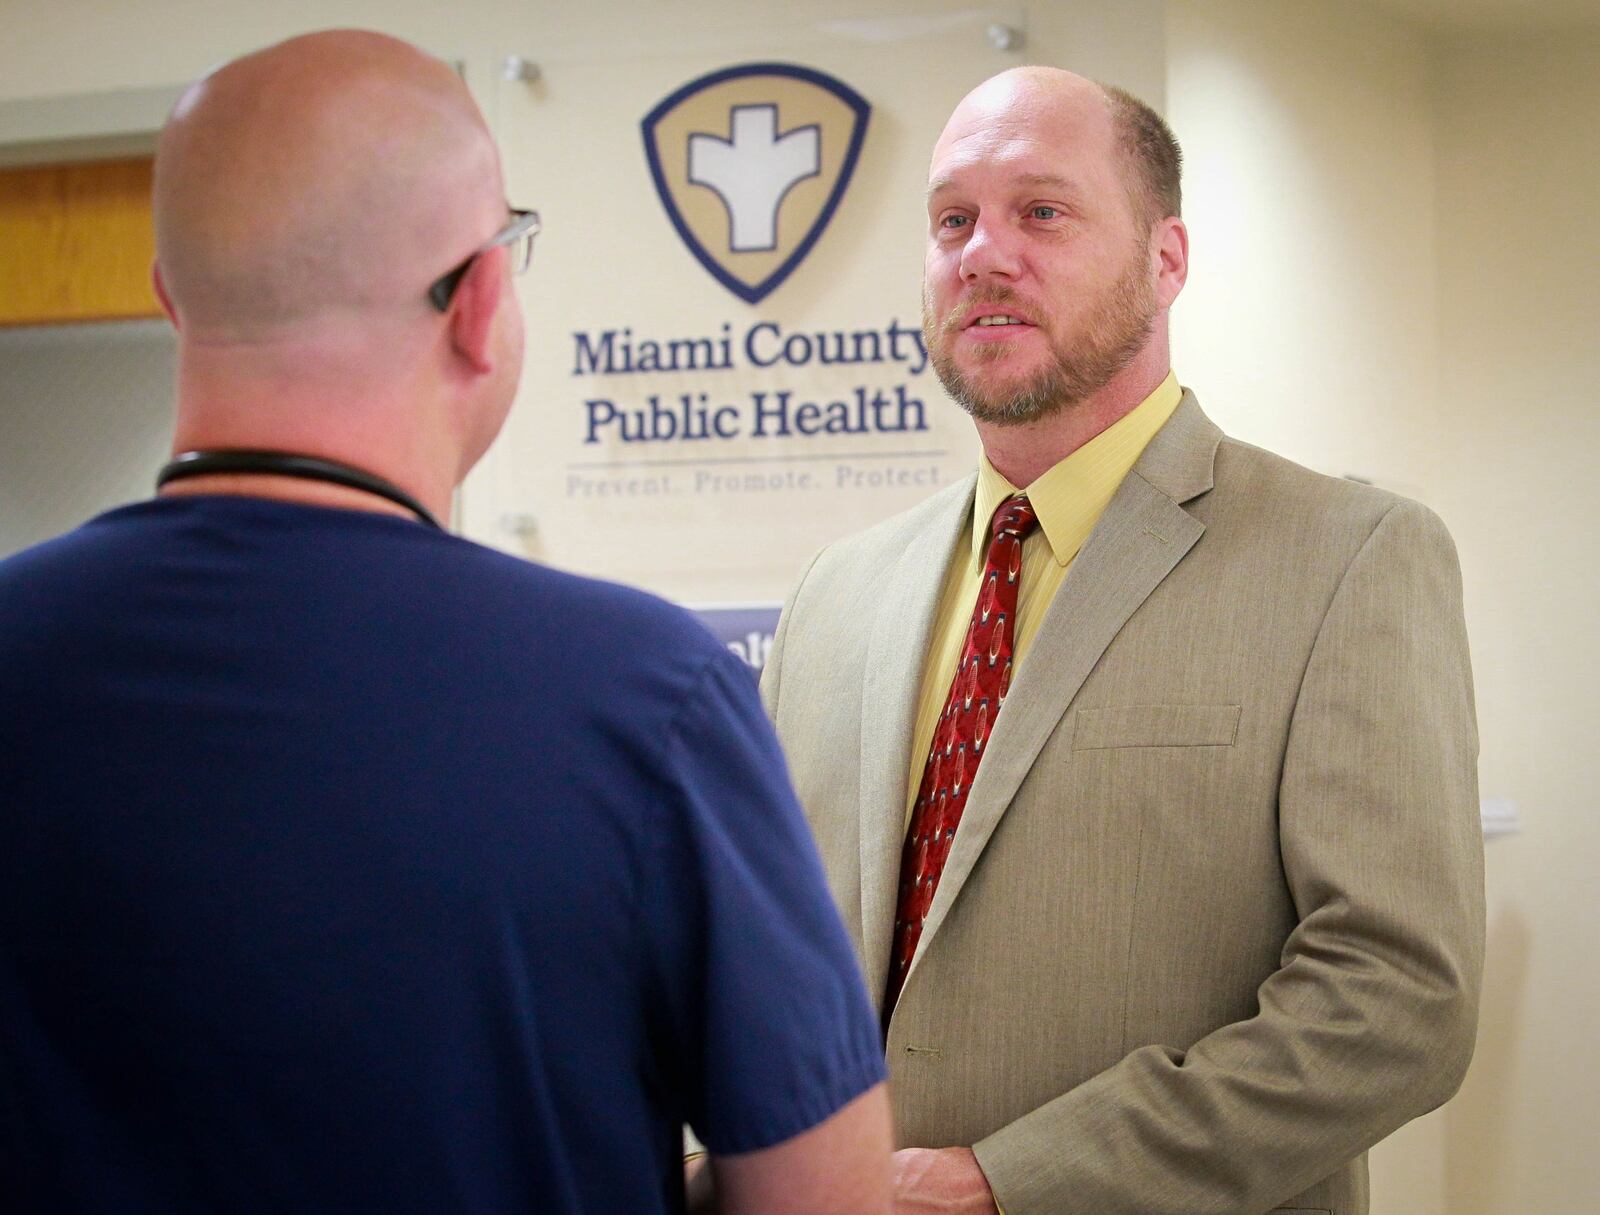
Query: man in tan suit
column 1188, row 914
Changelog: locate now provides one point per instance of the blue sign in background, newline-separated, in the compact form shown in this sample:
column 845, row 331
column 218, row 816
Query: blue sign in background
column 746, row 629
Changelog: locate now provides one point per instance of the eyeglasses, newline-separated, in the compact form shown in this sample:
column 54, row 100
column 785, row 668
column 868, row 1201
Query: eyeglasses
column 518, row 234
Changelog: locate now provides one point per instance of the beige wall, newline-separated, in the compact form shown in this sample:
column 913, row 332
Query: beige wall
column 92, row 45
column 1518, row 124
column 84, row 417
column 1308, row 322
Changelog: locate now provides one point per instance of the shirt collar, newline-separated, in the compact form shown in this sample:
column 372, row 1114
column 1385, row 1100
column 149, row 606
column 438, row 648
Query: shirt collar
column 1070, row 496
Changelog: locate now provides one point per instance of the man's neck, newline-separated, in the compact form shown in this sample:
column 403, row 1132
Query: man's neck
column 353, row 422
column 1023, row 453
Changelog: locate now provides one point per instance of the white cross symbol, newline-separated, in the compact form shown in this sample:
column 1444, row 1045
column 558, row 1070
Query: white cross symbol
column 752, row 171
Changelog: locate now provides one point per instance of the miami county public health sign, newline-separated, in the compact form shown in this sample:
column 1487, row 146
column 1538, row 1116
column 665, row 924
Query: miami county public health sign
column 758, row 382
column 726, row 153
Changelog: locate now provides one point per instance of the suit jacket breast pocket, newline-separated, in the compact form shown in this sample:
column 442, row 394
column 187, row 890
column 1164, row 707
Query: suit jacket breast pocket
column 1155, row 726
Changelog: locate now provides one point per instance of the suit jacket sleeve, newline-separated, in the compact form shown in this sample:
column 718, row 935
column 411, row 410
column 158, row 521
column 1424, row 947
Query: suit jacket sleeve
column 1370, row 1019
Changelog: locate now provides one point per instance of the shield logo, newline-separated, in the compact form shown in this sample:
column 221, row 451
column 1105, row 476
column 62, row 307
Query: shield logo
column 751, row 163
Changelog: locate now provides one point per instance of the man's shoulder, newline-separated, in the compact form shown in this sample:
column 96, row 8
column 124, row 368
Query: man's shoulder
column 1279, row 518
column 77, row 559
column 432, row 583
column 1274, row 488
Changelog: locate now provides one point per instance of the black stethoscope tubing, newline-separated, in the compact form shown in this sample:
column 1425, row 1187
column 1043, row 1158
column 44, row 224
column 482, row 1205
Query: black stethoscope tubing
column 288, row 464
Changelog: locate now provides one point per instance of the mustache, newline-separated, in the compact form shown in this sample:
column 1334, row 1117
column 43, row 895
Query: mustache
column 987, row 297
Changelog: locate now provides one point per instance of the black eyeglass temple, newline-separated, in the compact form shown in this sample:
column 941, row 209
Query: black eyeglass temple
column 444, row 289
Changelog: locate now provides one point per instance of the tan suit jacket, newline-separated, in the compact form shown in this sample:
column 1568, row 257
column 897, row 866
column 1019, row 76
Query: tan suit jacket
column 1212, row 923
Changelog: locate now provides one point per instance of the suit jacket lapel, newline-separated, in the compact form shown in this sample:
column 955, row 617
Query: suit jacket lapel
column 902, row 633
column 1142, row 536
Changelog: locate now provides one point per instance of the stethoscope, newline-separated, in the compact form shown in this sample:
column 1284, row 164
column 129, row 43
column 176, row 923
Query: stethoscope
column 287, row 464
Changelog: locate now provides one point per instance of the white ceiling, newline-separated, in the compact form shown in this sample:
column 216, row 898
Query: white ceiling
column 1507, row 15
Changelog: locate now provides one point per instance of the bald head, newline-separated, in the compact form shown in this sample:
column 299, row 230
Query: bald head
column 335, row 174
column 1026, row 92
column 1052, row 104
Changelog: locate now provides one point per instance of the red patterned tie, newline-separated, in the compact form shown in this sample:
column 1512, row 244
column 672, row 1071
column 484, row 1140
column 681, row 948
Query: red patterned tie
column 983, row 676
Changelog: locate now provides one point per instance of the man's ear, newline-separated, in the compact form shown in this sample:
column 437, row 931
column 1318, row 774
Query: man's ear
column 473, row 308
column 161, row 294
column 1172, row 260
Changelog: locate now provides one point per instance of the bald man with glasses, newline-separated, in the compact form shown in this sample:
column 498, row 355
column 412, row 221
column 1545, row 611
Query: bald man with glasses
column 347, row 865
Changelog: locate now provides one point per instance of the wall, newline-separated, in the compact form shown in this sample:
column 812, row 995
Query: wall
column 1308, row 322
column 84, row 419
column 1519, row 245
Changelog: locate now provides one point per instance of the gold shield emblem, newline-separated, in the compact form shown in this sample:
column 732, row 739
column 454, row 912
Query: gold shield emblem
column 751, row 163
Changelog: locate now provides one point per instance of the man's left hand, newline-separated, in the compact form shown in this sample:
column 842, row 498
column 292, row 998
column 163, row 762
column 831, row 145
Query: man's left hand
column 940, row 1181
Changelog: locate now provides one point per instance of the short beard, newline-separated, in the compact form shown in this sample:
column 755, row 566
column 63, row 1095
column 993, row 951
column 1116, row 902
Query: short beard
column 1117, row 332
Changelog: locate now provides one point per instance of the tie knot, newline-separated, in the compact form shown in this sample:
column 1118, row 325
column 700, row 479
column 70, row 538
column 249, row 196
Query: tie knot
column 1013, row 517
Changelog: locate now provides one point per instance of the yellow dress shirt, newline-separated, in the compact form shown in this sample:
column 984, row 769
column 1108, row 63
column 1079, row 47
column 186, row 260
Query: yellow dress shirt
column 1068, row 499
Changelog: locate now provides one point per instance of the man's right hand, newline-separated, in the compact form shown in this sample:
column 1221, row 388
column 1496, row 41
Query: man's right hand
column 940, row 1181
